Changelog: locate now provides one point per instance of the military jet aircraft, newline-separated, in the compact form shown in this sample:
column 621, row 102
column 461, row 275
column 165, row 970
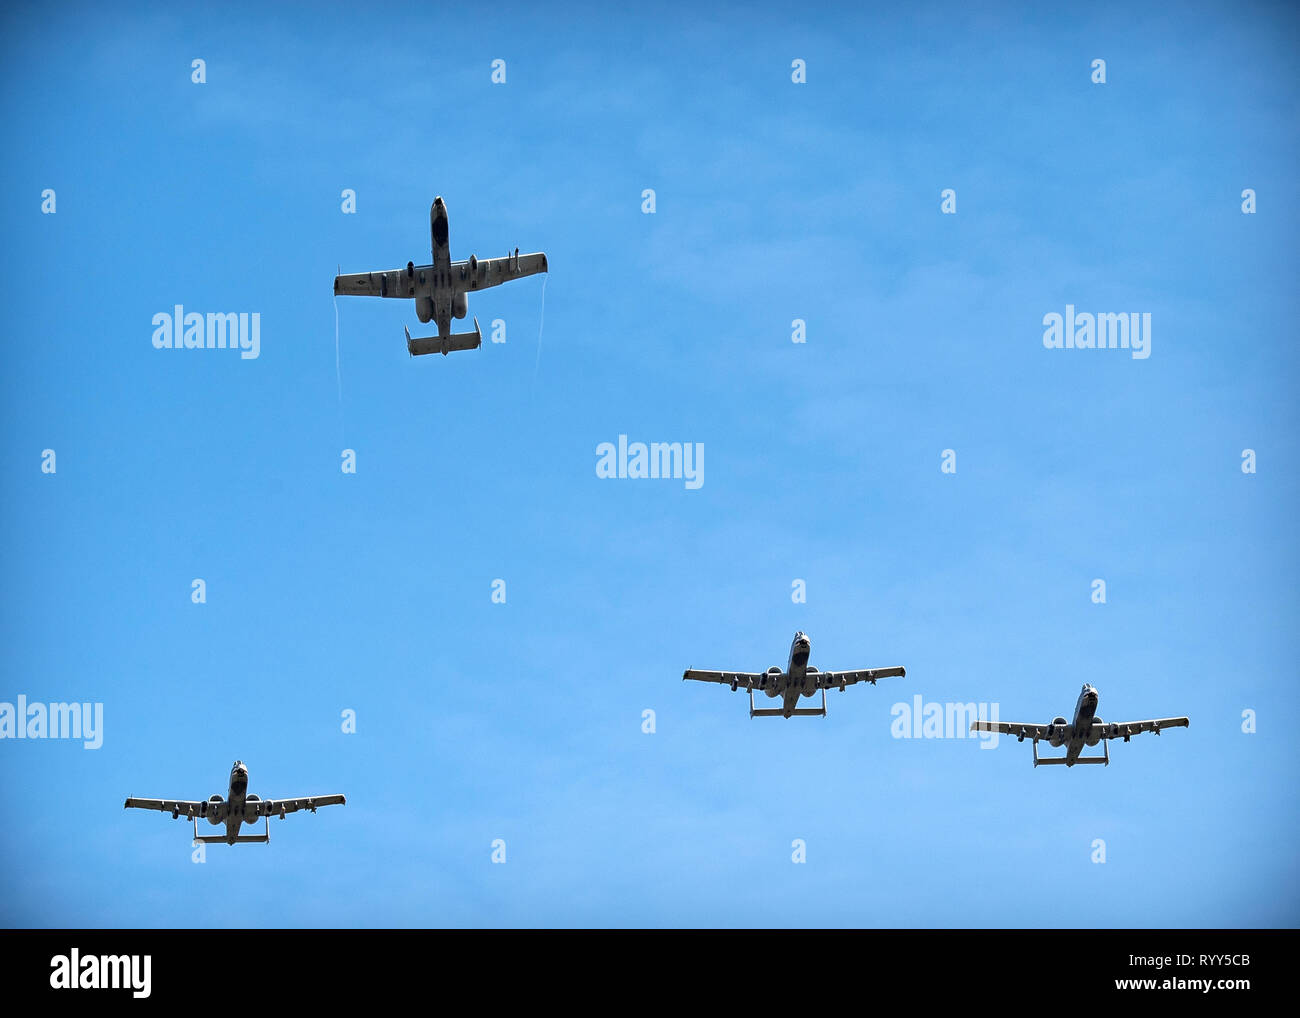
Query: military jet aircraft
column 798, row 679
column 440, row 289
column 1086, row 728
column 238, row 808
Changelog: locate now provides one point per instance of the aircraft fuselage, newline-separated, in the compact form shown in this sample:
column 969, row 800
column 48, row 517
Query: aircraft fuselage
column 231, row 812
column 1085, row 710
column 439, row 303
column 796, row 674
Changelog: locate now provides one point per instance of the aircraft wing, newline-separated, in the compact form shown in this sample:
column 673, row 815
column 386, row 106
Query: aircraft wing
column 393, row 283
column 743, row 680
column 495, row 271
column 1127, row 728
column 275, row 807
column 1020, row 731
column 181, row 806
column 838, row 680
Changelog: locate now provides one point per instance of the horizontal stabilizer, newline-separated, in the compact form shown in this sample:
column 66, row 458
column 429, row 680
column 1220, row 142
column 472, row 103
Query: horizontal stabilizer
column 243, row 839
column 778, row 712
column 798, row 712
column 1045, row 761
column 437, row 344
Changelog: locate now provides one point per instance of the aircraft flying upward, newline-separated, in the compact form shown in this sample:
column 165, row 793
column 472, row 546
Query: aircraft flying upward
column 440, row 290
column 238, row 808
column 798, row 679
column 1085, row 729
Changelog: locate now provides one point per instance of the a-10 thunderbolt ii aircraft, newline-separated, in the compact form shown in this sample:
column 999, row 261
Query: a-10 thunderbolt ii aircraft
column 1085, row 729
column 238, row 808
column 798, row 679
column 440, row 290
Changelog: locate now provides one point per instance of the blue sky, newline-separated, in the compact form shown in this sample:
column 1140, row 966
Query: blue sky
column 774, row 201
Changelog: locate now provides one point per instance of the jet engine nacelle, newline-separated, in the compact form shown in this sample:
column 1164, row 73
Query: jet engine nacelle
column 424, row 309
column 460, row 305
column 1095, row 732
column 212, row 809
column 771, row 681
column 810, row 682
column 1056, row 731
column 252, row 808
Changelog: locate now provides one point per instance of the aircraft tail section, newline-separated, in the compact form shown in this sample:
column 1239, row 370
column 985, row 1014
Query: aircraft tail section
column 1051, row 761
column 420, row 345
column 243, row 839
